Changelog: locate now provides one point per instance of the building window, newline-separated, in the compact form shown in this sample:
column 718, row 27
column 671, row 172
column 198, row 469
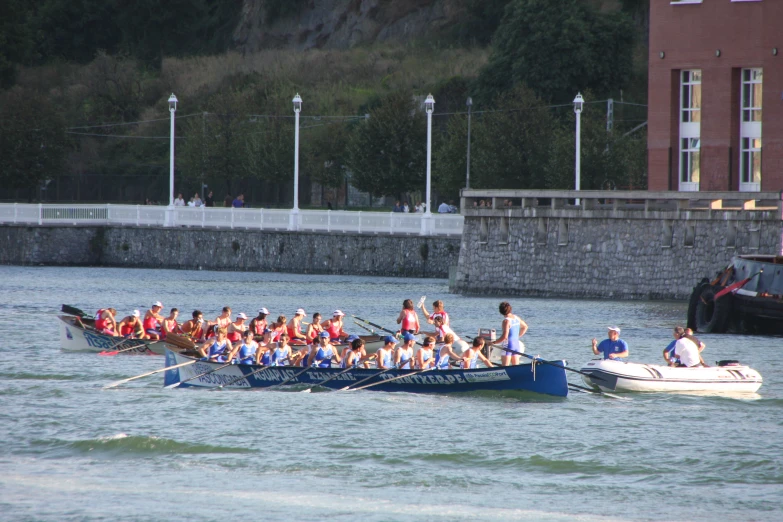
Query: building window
column 750, row 130
column 690, row 129
column 675, row 2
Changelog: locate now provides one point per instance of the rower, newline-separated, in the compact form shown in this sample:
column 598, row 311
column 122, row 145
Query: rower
column 444, row 329
column 383, row 359
column 264, row 354
column 437, row 309
column 237, row 329
column 473, row 354
column 513, row 328
column 446, row 353
column 355, row 354
column 323, row 355
column 195, row 326
column 295, row 327
column 248, row 348
column 408, row 318
column 314, row 328
column 276, row 329
column 259, row 323
column 221, row 321
column 424, row 357
column 218, row 349
column 334, row 326
column 403, row 358
column 348, row 346
column 282, row 353
column 152, row 320
column 613, row 347
column 686, row 349
column 170, row 324
column 131, row 326
column 105, row 322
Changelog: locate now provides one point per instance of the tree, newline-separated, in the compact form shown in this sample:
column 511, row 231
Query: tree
column 509, row 149
column 559, row 47
column 32, row 140
column 15, row 40
column 387, row 153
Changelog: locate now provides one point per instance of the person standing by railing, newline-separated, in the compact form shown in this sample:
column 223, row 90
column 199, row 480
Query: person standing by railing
column 210, row 201
column 179, row 202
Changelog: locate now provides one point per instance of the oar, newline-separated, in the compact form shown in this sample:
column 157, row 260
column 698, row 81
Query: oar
column 360, row 325
column 379, row 327
column 334, row 376
column 72, row 310
column 117, row 383
column 134, row 346
column 736, row 286
column 240, row 378
column 297, row 374
column 197, row 376
column 597, row 392
column 392, row 379
column 348, row 388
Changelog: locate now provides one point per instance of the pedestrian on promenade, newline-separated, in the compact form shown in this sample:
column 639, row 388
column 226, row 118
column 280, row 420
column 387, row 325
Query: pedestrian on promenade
column 239, row 202
column 227, row 200
column 210, row 201
column 179, row 202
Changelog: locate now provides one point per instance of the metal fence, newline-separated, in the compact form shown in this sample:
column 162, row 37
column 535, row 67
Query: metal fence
column 234, row 218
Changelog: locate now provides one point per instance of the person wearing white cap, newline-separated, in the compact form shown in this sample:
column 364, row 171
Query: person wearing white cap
column 131, row 326
column 237, row 328
column 335, row 326
column 152, row 320
column 295, row 328
column 613, row 347
column 259, row 324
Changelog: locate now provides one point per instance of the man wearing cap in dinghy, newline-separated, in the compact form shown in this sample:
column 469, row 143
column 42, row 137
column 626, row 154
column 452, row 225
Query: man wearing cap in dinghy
column 152, row 320
column 613, row 347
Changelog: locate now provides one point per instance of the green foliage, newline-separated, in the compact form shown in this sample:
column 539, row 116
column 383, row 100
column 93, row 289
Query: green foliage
column 481, row 20
column 559, row 47
column 387, row 153
column 15, row 39
column 32, row 140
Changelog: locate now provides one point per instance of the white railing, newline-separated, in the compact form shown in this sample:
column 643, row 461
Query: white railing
column 239, row 218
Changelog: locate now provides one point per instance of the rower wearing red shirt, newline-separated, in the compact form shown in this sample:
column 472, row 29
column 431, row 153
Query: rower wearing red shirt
column 105, row 322
column 237, row 328
column 152, row 320
column 170, row 324
column 335, row 326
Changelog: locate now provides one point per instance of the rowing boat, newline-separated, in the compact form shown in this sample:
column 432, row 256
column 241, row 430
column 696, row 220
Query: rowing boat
column 75, row 336
column 622, row 376
column 548, row 379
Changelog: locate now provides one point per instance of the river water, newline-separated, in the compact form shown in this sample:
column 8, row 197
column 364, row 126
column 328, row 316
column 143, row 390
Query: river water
column 70, row 450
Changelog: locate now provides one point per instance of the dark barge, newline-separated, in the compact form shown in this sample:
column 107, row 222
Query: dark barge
column 746, row 297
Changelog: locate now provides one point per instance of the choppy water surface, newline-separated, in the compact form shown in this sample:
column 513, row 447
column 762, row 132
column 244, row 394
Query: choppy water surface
column 70, row 450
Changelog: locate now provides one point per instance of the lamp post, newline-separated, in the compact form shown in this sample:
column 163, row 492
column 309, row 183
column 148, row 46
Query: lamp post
column 426, row 219
column 469, row 103
column 578, row 105
column 294, row 224
column 169, row 221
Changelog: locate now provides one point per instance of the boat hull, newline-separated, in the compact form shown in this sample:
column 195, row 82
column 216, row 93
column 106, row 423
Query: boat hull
column 75, row 338
column 545, row 379
column 619, row 376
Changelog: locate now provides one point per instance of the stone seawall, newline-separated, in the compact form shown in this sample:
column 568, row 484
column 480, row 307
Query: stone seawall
column 212, row 249
column 605, row 254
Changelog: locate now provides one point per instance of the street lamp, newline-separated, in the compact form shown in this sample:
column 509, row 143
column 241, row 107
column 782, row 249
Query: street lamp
column 297, row 101
column 169, row 222
column 578, row 105
column 469, row 103
column 429, row 106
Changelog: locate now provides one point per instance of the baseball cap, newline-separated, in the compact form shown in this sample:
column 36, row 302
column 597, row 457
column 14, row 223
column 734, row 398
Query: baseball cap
column 300, row 311
column 136, row 313
column 407, row 336
column 240, row 315
column 614, row 328
column 324, row 334
column 157, row 303
column 351, row 338
column 263, row 311
column 338, row 312
column 389, row 339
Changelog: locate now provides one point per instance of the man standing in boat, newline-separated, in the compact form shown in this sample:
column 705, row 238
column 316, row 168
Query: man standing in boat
column 613, row 347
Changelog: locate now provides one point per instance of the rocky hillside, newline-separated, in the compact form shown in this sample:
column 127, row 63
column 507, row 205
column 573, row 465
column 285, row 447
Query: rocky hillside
column 341, row 24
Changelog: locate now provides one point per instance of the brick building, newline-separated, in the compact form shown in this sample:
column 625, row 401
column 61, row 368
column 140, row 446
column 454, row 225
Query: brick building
column 715, row 111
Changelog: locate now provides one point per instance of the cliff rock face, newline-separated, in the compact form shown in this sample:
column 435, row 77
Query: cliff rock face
column 340, row 24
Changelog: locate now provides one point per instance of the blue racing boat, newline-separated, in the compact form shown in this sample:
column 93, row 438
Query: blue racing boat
column 547, row 378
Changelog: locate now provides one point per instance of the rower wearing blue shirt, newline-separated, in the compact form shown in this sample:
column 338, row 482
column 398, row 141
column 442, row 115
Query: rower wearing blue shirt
column 404, row 356
column 282, row 353
column 218, row 349
column 247, row 350
column 613, row 347
column 322, row 357
column 383, row 360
